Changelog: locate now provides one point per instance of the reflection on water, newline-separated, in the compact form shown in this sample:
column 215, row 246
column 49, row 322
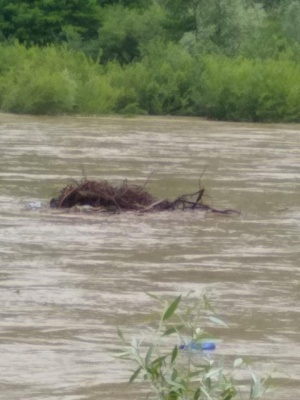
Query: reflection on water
column 69, row 279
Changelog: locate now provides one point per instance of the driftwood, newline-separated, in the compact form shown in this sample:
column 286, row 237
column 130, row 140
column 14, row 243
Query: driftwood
column 102, row 196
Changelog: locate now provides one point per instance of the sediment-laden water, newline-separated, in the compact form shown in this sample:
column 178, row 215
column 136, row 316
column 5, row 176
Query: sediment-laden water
column 67, row 280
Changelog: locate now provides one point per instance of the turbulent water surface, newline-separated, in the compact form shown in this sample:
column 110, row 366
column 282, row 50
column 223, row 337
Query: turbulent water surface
column 67, row 280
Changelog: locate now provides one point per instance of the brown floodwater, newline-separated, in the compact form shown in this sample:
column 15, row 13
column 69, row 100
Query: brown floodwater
column 68, row 280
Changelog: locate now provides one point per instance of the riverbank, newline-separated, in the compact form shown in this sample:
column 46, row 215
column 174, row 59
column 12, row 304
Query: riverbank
column 55, row 80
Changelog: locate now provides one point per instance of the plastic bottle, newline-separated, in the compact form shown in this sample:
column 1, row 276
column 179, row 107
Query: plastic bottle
column 203, row 346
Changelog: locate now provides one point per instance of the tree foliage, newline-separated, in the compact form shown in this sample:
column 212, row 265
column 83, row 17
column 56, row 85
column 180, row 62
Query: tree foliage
column 125, row 3
column 124, row 32
column 44, row 21
column 290, row 13
column 190, row 57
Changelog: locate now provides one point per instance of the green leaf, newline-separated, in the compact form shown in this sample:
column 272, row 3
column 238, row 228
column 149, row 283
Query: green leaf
column 151, row 317
column 213, row 372
column 197, row 395
column 120, row 334
column 189, row 310
column 269, row 390
column 158, row 360
column 195, row 374
column 207, row 304
column 176, row 386
column 254, row 378
column 135, row 374
column 238, row 362
column 217, row 321
column 148, row 355
column 171, row 309
column 208, row 383
column 229, row 393
column 154, row 296
column 174, row 354
column 174, row 375
column 173, row 329
column 203, row 390
column 247, row 360
column 124, row 355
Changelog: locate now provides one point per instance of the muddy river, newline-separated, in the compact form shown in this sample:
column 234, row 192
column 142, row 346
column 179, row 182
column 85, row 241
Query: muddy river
column 67, row 280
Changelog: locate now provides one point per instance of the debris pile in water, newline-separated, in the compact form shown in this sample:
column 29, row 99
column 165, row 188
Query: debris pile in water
column 102, row 196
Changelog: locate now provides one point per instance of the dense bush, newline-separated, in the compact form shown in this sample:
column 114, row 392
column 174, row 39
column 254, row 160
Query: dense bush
column 52, row 80
column 169, row 70
column 248, row 90
column 166, row 80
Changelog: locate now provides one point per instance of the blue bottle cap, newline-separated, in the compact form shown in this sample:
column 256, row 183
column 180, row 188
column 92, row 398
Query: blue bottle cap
column 208, row 346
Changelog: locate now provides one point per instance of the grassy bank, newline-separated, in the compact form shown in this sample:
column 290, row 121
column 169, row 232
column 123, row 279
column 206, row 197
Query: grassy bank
column 167, row 80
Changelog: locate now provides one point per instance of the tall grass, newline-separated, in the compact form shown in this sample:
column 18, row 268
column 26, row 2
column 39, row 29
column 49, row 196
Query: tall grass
column 167, row 80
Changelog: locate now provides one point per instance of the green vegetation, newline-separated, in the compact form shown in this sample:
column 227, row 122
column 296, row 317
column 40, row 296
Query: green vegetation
column 223, row 59
column 172, row 361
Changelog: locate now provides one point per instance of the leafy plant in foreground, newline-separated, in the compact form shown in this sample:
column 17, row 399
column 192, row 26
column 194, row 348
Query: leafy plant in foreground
column 184, row 371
